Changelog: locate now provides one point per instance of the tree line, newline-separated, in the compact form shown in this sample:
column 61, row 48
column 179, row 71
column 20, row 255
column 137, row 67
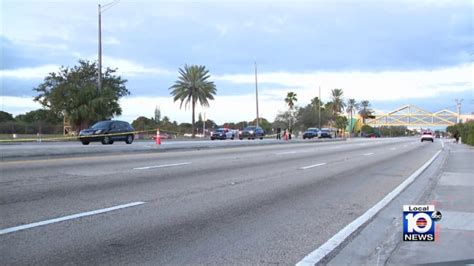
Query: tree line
column 320, row 114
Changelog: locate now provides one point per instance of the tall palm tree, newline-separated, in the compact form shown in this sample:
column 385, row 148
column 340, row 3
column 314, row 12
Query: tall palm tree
column 193, row 87
column 291, row 99
column 337, row 101
column 316, row 102
column 365, row 110
column 352, row 107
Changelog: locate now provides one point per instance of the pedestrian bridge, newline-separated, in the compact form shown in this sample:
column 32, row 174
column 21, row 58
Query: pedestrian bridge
column 412, row 116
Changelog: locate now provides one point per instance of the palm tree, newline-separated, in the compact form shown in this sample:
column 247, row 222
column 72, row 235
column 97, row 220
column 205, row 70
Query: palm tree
column 337, row 101
column 365, row 111
column 291, row 99
column 193, row 87
column 352, row 107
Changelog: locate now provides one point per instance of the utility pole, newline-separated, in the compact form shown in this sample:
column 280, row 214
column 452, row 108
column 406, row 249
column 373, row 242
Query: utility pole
column 458, row 109
column 256, row 93
column 319, row 106
column 99, row 82
column 204, row 125
column 102, row 9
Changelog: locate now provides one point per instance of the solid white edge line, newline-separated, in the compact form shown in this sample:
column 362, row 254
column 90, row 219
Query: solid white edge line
column 317, row 255
column 312, row 166
column 160, row 166
column 65, row 218
column 367, row 154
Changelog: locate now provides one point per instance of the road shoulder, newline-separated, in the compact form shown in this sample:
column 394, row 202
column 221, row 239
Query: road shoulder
column 380, row 241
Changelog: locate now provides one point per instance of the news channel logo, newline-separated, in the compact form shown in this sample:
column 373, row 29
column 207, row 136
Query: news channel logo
column 419, row 222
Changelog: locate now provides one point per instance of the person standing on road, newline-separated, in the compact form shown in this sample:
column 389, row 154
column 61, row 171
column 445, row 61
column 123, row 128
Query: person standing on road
column 278, row 133
column 456, row 136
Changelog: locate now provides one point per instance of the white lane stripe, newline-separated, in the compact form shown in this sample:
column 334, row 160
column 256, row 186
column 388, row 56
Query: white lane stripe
column 368, row 154
column 392, row 149
column 160, row 166
column 442, row 144
column 287, row 152
column 65, row 218
column 317, row 255
column 312, row 166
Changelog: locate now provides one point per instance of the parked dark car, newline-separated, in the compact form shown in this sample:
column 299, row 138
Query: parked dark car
column 252, row 132
column 107, row 132
column 311, row 133
column 222, row 133
column 324, row 133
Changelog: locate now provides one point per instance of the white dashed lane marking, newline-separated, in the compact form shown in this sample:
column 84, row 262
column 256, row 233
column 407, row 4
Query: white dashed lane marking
column 312, row 166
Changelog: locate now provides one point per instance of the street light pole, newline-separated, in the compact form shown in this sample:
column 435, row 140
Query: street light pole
column 99, row 82
column 319, row 107
column 100, row 10
column 256, row 92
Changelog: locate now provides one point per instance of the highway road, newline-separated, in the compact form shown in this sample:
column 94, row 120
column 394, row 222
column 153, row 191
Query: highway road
column 262, row 204
column 47, row 149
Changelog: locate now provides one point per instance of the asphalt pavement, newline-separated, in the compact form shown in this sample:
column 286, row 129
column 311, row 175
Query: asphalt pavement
column 60, row 149
column 263, row 204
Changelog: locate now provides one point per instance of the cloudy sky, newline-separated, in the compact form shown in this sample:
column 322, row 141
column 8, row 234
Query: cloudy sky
column 391, row 53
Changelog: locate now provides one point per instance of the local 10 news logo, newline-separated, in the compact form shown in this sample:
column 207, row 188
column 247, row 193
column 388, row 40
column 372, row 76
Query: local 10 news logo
column 419, row 222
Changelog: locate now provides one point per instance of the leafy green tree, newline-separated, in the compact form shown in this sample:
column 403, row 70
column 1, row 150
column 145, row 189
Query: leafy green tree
column 283, row 119
column 308, row 116
column 341, row 122
column 264, row 124
column 5, row 117
column 365, row 110
column 40, row 115
column 144, row 123
column 242, row 124
column 73, row 92
column 193, row 87
column 352, row 107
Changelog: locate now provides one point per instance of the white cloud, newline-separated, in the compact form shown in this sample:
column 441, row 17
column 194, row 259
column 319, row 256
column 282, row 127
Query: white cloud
column 125, row 67
column 110, row 40
column 18, row 105
column 28, row 72
column 386, row 86
column 131, row 68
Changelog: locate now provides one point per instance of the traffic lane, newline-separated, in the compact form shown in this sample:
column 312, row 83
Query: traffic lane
column 79, row 190
column 276, row 219
column 17, row 170
column 17, row 151
column 18, row 177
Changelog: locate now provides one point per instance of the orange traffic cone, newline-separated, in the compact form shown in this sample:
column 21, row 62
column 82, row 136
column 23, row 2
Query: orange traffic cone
column 158, row 138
